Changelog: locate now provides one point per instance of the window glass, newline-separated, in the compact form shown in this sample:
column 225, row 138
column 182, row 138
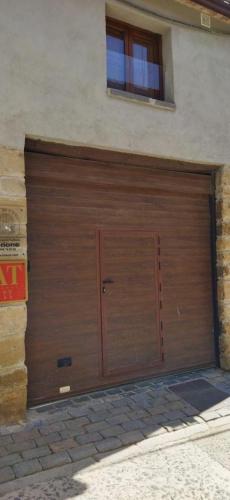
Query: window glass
column 140, row 66
column 116, row 59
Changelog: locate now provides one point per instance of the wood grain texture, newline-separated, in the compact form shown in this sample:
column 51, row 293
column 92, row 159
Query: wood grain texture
column 129, row 300
column 69, row 201
column 121, row 158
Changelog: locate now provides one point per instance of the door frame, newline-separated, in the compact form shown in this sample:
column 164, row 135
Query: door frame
column 85, row 153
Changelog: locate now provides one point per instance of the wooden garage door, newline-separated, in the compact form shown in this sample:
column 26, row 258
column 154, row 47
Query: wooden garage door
column 120, row 273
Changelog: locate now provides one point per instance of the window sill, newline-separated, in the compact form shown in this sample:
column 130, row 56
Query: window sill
column 140, row 99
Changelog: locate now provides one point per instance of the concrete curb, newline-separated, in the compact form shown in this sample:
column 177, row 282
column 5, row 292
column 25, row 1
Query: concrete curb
column 148, row 445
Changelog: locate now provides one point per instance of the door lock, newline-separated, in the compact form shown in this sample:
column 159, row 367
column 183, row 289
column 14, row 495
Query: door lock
column 106, row 281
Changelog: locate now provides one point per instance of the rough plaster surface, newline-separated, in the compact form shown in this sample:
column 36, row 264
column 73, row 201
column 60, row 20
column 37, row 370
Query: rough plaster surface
column 53, row 84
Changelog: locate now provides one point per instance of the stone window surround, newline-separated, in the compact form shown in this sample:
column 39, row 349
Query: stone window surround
column 139, row 99
column 13, row 372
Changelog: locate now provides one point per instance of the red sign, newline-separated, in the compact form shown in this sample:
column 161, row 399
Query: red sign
column 13, row 281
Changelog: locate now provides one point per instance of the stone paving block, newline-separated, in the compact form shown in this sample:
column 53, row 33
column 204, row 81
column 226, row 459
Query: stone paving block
column 6, row 474
column 43, row 409
column 55, row 460
column 98, row 394
column 129, row 387
column 91, row 437
column 50, row 438
column 112, row 431
column 136, row 414
column 175, row 425
column 193, row 420
column 4, row 440
column 170, row 396
column 109, row 444
column 25, row 436
column 151, row 431
column 82, row 452
column 121, row 403
column 55, row 427
column 131, row 437
column 114, row 390
column 2, row 451
column 27, row 467
column 63, row 445
column 72, row 433
column 157, row 410
column 67, row 403
column 100, row 406
column 18, row 447
column 82, row 399
column 118, row 411
column 10, row 460
column 133, row 425
column 10, row 429
column 190, row 411
column 112, row 397
column 76, row 423
column 36, row 453
column 178, row 405
column 58, row 416
column 155, row 419
column 174, row 415
column 97, row 426
column 143, row 402
column 78, row 411
column 158, row 401
column 98, row 416
column 118, row 419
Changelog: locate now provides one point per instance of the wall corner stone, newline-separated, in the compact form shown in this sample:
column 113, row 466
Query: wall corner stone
column 223, row 261
column 13, row 317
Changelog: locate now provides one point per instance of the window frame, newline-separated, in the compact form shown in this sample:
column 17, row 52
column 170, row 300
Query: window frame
column 152, row 41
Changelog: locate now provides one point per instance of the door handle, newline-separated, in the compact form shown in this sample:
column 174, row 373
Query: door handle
column 107, row 281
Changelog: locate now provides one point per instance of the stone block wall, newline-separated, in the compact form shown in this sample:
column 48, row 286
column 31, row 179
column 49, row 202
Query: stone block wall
column 223, row 261
column 13, row 375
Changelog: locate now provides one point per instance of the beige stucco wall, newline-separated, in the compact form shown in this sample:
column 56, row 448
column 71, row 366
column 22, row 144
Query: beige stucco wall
column 53, row 83
column 53, row 86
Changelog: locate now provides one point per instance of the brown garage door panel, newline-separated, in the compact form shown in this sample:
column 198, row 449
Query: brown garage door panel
column 130, row 300
column 71, row 201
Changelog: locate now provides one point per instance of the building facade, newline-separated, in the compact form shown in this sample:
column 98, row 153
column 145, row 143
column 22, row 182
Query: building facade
column 114, row 148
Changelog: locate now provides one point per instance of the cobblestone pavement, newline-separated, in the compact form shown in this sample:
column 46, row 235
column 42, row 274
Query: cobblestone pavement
column 189, row 471
column 93, row 425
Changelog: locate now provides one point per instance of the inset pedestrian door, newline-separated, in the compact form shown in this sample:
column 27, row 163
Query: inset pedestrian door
column 130, row 303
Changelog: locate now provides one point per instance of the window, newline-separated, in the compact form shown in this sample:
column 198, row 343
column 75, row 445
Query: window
column 134, row 61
